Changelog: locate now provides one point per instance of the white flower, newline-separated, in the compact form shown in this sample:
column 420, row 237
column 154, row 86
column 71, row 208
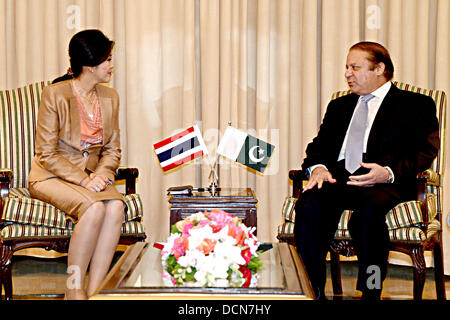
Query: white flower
column 190, row 259
column 228, row 251
column 200, row 276
column 253, row 245
column 197, row 235
column 220, row 283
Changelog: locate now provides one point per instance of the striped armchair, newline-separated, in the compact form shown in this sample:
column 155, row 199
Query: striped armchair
column 414, row 226
column 26, row 222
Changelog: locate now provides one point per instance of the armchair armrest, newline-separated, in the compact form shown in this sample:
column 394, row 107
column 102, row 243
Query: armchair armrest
column 424, row 179
column 129, row 175
column 297, row 177
column 6, row 176
column 431, row 177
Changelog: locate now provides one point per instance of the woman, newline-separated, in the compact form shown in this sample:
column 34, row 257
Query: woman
column 77, row 151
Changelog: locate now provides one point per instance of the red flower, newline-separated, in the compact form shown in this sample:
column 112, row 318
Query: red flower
column 247, row 275
column 215, row 227
column 247, row 255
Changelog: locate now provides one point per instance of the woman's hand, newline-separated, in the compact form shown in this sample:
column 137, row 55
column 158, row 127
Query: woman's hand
column 95, row 182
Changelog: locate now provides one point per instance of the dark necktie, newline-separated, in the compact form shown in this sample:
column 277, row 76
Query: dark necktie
column 355, row 140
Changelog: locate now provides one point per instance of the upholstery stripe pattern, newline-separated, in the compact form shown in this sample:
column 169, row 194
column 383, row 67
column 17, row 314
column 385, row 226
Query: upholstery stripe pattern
column 434, row 227
column 403, row 215
column 286, row 229
column 432, row 206
column 134, row 209
column 19, row 207
column 35, row 212
column 18, row 230
column 288, row 212
column 18, row 117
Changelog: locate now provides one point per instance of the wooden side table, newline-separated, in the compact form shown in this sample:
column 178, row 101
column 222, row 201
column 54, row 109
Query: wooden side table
column 240, row 202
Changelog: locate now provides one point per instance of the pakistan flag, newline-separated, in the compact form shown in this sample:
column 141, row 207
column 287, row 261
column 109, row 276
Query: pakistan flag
column 245, row 149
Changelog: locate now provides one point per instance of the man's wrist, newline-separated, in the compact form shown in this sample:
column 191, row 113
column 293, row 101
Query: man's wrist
column 391, row 177
column 311, row 169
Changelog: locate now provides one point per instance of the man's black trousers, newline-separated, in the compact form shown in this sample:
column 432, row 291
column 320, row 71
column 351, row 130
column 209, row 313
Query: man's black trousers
column 317, row 216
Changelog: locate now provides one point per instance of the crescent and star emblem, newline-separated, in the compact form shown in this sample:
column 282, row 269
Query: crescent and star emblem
column 252, row 156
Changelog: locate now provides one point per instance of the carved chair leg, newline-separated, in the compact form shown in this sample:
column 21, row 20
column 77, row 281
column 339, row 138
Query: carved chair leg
column 439, row 271
column 335, row 272
column 420, row 271
column 6, row 254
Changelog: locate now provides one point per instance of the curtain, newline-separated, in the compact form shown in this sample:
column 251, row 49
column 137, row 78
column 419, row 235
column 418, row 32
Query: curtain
column 267, row 67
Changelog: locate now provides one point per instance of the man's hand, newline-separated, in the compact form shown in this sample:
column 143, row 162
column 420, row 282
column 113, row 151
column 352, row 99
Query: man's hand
column 377, row 174
column 318, row 176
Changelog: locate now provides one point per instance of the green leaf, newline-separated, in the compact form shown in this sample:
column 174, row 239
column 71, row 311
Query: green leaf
column 174, row 229
column 255, row 264
column 172, row 264
column 190, row 275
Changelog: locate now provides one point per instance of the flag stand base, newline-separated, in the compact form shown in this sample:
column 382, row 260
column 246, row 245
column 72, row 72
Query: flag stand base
column 213, row 188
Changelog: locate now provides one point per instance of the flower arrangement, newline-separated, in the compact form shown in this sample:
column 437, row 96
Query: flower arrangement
column 211, row 249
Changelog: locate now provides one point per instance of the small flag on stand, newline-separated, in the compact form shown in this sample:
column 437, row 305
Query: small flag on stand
column 245, row 149
column 180, row 148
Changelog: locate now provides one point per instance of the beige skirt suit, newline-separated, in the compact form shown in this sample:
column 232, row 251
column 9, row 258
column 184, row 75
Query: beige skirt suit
column 60, row 163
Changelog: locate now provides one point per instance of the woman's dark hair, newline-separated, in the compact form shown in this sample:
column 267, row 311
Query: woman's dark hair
column 88, row 48
column 377, row 53
column 67, row 76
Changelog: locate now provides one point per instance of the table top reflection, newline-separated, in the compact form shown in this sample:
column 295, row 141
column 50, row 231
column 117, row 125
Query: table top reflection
column 137, row 275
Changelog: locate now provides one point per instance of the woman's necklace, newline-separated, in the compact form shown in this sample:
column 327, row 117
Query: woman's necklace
column 91, row 98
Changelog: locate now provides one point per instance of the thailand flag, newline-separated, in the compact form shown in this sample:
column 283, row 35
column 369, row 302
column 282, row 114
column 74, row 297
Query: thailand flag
column 180, row 148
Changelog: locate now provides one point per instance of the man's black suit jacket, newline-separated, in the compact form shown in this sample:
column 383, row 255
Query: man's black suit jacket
column 404, row 134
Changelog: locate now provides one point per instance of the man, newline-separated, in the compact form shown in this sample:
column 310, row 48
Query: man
column 369, row 149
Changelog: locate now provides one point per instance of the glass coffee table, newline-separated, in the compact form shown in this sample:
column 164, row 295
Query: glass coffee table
column 137, row 275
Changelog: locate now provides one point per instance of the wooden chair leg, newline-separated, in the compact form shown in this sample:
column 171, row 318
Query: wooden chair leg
column 335, row 273
column 7, row 283
column 439, row 272
column 420, row 272
column 6, row 254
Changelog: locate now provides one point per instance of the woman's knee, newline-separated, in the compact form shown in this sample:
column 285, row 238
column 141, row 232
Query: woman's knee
column 95, row 213
column 115, row 211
